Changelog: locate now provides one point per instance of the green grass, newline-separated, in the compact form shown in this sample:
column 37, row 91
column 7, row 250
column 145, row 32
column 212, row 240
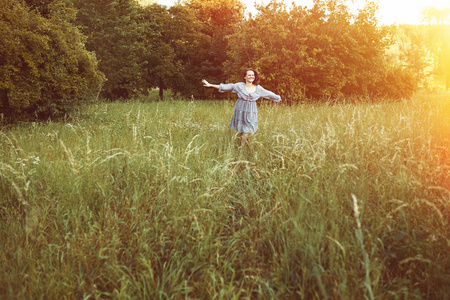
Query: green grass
column 155, row 200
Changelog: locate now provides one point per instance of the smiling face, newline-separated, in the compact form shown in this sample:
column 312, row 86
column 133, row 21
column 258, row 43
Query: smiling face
column 249, row 77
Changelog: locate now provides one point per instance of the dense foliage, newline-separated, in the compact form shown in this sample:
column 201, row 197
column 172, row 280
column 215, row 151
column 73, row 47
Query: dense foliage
column 141, row 47
column 115, row 35
column 219, row 20
column 319, row 53
column 173, row 50
column 44, row 66
column 322, row 52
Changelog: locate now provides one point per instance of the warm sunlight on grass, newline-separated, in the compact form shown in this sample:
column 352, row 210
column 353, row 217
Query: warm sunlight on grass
column 154, row 200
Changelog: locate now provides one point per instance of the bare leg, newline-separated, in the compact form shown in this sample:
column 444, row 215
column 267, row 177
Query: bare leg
column 244, row 139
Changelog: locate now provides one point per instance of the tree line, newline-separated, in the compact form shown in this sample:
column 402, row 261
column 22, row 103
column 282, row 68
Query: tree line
column 55, row 53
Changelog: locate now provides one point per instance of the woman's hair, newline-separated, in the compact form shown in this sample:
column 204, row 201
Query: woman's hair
column 256, row 75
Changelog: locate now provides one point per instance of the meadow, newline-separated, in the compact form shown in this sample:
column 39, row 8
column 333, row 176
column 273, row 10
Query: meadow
column 156, row 200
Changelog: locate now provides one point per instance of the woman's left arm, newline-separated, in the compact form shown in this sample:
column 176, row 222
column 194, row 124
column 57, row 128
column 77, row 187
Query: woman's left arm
column 268, row 94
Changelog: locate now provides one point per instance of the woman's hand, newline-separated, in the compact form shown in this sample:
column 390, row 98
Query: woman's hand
column 206, row 83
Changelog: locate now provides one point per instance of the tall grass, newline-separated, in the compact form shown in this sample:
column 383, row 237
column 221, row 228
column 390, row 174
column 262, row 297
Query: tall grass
column 156, row 200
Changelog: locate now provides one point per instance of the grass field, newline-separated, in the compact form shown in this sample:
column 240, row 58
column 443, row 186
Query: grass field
column 155, row 200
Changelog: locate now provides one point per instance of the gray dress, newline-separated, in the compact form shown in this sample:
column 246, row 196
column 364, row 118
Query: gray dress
column 245, row 115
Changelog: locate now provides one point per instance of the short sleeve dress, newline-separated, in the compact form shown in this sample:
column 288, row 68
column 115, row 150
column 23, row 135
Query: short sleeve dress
column 245, row 115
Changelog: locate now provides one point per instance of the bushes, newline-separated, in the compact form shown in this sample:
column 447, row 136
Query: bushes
column 397, row 83
column 44, row 67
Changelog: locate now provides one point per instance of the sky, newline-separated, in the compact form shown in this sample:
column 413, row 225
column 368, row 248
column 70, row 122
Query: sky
column 389, row 11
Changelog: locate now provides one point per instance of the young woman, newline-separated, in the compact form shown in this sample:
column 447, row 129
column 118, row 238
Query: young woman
column 245, row 115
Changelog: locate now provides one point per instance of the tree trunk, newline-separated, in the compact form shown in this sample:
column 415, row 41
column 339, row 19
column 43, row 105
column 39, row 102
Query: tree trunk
column 161, row 89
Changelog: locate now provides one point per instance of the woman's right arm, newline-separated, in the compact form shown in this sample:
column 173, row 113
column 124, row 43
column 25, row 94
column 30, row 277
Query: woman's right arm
column 207, row 84
column 230, row 87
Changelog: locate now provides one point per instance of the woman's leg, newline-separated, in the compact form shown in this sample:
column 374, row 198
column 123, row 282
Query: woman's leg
column 244, row 139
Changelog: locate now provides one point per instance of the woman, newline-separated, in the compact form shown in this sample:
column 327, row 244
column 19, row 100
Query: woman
column 245, row 115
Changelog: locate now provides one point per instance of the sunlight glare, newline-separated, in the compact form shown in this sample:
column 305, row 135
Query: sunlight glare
column 389, row 12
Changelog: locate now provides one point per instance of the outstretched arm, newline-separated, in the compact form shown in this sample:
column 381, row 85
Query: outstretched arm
column 269, row 95
column 207, row 84
column 230, row 87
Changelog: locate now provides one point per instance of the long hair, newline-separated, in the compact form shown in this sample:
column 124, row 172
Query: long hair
column 256, row 75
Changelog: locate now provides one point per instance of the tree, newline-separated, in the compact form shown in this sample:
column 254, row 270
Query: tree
column 439, row 34
column 115, row 34
column 142, row 47
column 219, row 19
column 317, row 53
column 409, row 49
column 160, row 65
column 44, row 66
column 173, row 40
